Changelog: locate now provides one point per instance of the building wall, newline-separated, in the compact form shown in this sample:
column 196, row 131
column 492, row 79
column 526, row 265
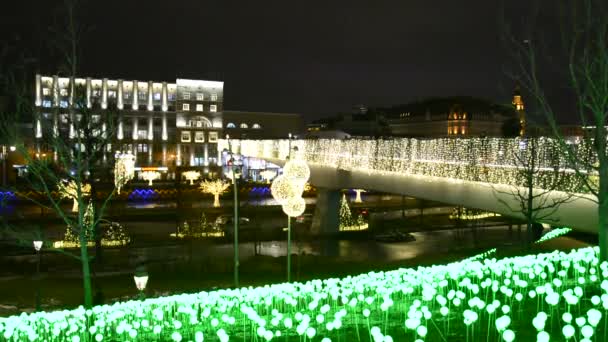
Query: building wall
column 261, row 125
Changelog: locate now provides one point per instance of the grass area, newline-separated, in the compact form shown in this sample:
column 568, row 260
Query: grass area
column 540, row 296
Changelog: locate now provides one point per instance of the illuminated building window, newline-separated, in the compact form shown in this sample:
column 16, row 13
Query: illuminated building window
column 126, row 95
column 185, row 106
column 171, row 97
column 256, row 126
column 142, row 95
column 185, row 136
column 243, row 125
column 212, row 137
column 199, row 107
column 63, row 92
column 63, row 104
column 95, row 93
column 186, row 96
column 213, row 97
column 199, row 137
column 142, row 134
column 111, row 94
column 213, row 108
column 230, row 125
column 142, row 148
column 46, row 103
column 46, row 91
column 199, row 96
column 157, row 96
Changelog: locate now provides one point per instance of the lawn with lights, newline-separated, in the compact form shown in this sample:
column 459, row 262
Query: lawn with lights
column 555, row 296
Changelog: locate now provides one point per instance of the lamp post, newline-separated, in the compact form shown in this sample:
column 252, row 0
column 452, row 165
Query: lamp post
column 141, row 280
column 235, row 175
column 37, row 246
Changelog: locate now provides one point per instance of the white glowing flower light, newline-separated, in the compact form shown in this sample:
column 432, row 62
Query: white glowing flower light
column 192, row 176
column 150, row 176
column 141, row 282
column 124, row 169
column 294, row 207
column 37, row 245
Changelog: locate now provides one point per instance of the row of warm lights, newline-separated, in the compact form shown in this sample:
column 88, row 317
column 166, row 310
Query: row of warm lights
column 543, row 297
column 492, row 160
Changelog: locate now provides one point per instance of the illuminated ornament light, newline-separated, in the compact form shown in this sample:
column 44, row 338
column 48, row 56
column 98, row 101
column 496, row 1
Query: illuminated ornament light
column 141, row 281
column 124, row 169
column 192, row 176
column 294, row 206
column 70, row 190
column 150, row 176
column 297, row 169
column 283, row 188
column 37, row 245
column 268, row 175
column 216, row 188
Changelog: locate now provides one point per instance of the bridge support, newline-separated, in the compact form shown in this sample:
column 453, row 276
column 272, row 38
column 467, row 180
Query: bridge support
column 326, row 219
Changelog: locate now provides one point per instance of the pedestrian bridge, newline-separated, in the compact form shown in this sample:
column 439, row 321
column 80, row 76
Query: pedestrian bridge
column 482, row 173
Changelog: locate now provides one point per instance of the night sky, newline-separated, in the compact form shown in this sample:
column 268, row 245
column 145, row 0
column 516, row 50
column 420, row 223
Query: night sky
column 313, row 58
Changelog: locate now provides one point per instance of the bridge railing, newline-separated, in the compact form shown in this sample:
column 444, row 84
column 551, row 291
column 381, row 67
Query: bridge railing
column 491, row 160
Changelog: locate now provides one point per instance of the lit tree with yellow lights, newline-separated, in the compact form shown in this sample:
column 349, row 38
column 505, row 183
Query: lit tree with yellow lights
column 582, row 57
column 150, row 176
column 216, row 188
column 72, row 191
column 345, row 215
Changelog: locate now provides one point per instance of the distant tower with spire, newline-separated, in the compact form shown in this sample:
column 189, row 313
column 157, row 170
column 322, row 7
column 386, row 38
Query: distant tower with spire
column 520, row 108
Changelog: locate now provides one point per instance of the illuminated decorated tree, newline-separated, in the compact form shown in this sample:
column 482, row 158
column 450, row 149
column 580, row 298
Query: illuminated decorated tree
column 345, row 215
column 191, row 176
column 580, row 58
column 216, row 188
column 150, row 176
column 124, row 169
column 73, row 191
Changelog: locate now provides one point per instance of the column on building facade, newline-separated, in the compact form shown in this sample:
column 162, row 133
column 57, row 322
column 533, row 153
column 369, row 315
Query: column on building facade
column 135, row 99
column 178, row 155
column 55, row 91
column 38, row 126
column 135, row 128
column 164, row 100
column 150, row 127
column 150, row 154
column 38, row 90
column 150, row 96
column 119, row 98
column 104, row 94
column 120, row 132
column 89, row 89
column 164, row 154
column 164, row 128
column 206, row 153
column 191, row 155
column 55, row 124
column 72, row 84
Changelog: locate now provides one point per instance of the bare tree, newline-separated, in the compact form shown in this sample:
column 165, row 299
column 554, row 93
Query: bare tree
column 537, row 190
column 583, row 61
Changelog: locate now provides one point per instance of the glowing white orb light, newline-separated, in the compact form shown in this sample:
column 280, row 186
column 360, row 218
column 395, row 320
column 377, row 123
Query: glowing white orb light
column 297, row 169
column 294, row 206
column 284, row 188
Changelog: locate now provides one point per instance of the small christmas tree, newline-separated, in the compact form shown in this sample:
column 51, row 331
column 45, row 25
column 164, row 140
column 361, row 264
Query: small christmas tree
column 346, row 217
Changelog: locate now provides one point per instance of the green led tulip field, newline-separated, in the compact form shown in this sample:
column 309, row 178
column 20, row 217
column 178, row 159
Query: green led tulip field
column 545, row 297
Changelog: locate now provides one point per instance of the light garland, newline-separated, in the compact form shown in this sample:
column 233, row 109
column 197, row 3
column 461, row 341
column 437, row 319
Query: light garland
column 553, row 296
column 216, row 188
column 191, row 176
column 150, row 176
column 70, row 190
column 471, row 215
column 124, row 169
column 557, row 232
column 490, row 160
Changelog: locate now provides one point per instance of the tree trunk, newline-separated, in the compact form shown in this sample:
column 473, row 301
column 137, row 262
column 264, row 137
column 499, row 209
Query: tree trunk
column 602, row 214
column 216, row 200
column 86, row 272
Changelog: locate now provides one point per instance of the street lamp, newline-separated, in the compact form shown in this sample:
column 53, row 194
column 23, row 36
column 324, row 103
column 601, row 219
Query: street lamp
column 141, row 280
column 37, row 246
column 235, row 174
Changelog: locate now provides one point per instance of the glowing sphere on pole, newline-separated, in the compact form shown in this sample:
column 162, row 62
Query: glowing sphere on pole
column 284, row 188
column 296, row 169
column 294, row 206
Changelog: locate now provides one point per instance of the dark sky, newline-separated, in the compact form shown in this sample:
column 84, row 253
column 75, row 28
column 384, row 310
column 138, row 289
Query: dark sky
column 314, row 58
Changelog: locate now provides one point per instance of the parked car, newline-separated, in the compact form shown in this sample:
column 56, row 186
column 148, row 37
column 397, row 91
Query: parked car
column 226, row 223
